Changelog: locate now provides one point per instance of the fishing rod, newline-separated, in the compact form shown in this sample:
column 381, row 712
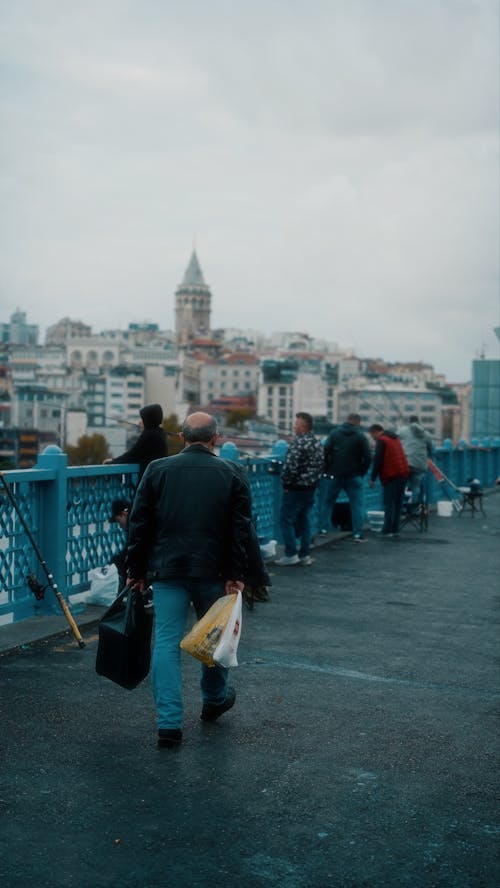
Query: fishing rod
column 120, row 421
column 445, row 483
column 369, row 406
column 391, row 400
column 33, row 583
column 136, row 426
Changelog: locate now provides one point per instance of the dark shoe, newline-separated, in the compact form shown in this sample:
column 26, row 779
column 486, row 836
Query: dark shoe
column 212, row 711
column 169, row 738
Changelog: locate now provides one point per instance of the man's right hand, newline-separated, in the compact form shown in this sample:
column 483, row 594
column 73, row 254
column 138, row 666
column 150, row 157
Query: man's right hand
column 139, row 584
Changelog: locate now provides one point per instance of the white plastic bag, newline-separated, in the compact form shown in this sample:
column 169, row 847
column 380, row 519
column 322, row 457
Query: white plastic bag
column 225, row 652
column 217, row 633
column 103, row 585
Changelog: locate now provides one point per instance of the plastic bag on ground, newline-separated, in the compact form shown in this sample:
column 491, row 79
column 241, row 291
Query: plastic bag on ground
column 104, row 583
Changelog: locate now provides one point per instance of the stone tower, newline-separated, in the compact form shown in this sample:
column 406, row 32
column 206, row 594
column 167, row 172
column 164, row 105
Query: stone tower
column 192, row 305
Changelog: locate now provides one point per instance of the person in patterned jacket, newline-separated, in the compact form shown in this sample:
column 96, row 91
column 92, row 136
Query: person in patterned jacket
column 301, row 473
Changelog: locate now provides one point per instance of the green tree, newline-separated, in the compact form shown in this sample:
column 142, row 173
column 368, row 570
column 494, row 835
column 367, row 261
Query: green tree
column 237, row 418
column 171, row 424
column 90, row 450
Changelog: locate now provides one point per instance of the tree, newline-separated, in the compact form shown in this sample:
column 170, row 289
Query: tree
column 237, row 418
column 90, row 450
column 171, row 424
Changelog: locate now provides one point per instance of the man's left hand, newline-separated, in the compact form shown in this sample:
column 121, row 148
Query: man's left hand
column 231, row 587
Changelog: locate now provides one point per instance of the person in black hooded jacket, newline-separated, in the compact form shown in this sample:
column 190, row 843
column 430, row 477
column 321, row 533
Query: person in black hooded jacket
column 151, row 443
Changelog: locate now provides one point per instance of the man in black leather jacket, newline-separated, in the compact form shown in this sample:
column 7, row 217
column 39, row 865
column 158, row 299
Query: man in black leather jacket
column 189, row 533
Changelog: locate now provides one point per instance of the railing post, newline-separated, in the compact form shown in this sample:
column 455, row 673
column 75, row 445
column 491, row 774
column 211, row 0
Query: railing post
column 53, row 517
column 278, row 454
column 230, row 451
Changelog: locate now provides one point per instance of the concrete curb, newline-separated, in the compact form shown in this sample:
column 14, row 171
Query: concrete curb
column 36, row 629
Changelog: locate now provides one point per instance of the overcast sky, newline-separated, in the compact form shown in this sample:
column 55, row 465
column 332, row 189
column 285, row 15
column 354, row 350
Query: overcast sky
column 335, row 161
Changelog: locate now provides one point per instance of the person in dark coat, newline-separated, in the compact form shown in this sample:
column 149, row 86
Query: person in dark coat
column 347, row 460
column 190, row 533
column 151, row 443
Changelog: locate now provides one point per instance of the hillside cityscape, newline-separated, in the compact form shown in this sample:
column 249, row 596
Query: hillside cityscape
column 81, row 383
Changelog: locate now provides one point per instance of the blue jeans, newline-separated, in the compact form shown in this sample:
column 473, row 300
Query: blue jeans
column 353, row 486
column 171, row 604
column 296, row 507
column 325, row 503
column 415, row 485
column 393, row 493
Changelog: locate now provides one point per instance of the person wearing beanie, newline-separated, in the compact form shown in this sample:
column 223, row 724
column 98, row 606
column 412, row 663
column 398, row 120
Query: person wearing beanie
column 151, row 443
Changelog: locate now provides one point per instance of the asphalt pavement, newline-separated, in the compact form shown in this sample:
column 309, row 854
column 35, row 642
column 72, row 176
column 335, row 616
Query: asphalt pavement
column 362, row 749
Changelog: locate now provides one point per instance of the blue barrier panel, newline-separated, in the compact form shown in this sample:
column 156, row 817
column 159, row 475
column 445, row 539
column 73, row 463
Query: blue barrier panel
column 91, row 539
column 67, row 512
column 17, row 558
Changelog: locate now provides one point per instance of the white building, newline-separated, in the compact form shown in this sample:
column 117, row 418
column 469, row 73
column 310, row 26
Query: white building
column 93, row 353
column 161, row 386
column 124, row 394
column 35, row 407
column 390, row 405
column 206, row 379
column 66, row 329
column 276, row 404
column 236, row 374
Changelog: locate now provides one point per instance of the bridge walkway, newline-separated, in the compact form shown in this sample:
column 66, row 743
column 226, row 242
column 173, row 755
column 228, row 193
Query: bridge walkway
column 361, row 750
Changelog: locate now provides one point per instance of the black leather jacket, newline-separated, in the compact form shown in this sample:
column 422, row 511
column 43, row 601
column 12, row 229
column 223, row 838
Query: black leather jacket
column 191, row 519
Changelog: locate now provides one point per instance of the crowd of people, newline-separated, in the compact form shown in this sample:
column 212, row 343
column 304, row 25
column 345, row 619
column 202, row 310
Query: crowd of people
column 190, row 536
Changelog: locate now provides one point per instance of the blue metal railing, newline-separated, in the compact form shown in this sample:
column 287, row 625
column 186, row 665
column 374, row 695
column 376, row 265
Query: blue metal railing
column 68, row 510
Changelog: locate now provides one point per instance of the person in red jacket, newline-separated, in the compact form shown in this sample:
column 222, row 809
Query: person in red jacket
column 391, row 466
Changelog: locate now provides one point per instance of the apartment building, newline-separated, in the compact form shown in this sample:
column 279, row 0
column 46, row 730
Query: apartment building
column 390, row 405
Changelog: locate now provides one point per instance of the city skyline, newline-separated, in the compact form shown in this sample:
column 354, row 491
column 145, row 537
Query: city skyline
column 336, row 166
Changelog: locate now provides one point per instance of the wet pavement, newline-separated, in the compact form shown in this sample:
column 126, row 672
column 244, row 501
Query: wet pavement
column 362, row 750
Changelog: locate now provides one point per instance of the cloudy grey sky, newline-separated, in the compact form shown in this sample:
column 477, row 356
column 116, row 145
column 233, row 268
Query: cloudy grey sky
column 335, row 160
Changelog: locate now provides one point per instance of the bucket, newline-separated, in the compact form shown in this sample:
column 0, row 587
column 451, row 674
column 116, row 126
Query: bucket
column 445, row 509
column 376, row 521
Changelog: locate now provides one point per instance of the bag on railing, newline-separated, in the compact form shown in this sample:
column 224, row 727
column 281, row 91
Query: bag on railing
column 214, row 639
column 124, row 648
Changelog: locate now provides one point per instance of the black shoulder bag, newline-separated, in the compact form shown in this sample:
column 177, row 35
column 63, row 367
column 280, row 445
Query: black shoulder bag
column 124, row 648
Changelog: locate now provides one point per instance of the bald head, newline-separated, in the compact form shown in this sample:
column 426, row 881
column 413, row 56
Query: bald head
column 199, row 428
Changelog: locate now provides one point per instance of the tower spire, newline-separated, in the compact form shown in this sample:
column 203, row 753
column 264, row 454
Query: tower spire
column 192, row 304
column 193, row 276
